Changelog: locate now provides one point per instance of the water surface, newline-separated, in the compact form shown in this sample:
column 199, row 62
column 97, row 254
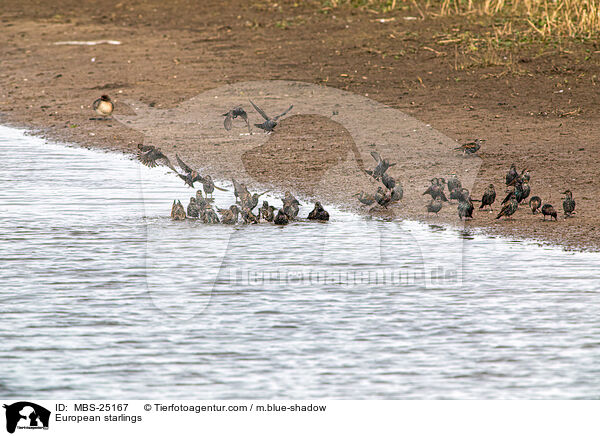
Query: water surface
column 103, row 296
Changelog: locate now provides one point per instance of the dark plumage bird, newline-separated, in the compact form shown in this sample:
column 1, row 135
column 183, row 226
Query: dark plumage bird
column 465, row 205
column 249, row 217
column 281, row 218
column 208, row 185
column 151, row 156
column 397, row 193
column 237, row 111
column 534, row 203
column 548, row 210
column 239, row 189
column 382, row 166
column 383, row 197
column 364, row 198
column 388, row 181
column 177, row 211
column 456, row 194
column 291, row 206
column 192, row 209
column 454, row 183
column 104, row 106
column 510, row 207
column 190, row 175
column 209, row 216
column 523, row 190
column 318, row 213
column 489, row 197
column 230, row 216
column 269, row 123
column 434, row 206
column 436, row 190
column 568, row 204
column 267, row 212
column 471, row 147
column 200, row 200
column 512, row 174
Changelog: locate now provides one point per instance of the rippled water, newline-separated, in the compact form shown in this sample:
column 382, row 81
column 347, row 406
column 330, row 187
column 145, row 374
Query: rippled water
column 103, row 296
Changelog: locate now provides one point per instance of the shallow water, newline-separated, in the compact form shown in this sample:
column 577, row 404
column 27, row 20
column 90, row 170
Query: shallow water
column 103, row 296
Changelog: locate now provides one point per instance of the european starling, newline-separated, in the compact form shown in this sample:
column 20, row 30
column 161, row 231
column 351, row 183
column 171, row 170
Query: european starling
column 269, row 123
column 470, row 147
column 511, row 175
column 453, row 183
column 267, row 212
column 510, row 207
column 190, row 175
column 192, row 209
column 103, row 106
column 248, row 216
column 230, row 216
column 548, row 210
column 568, row 204
column 397, row 193
column 489, row 197
column 456, row 194
column 534, row 203
column 434, row 206
column 281, row 218
column 382, row 166
column 523, row 191
column 209, row 215
column 239, row 190
column 383, row 198
column 177, row 211
column 208, row 185
column 291, row 206
column 364, row 198
column 465, row 205
column 318, row 213
column 237, row 111
column 436, row 190
column 200, row 200
column 388, row 181
column 152, row 156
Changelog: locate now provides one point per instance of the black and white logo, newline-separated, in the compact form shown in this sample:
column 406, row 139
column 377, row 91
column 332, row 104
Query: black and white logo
column 26, row 415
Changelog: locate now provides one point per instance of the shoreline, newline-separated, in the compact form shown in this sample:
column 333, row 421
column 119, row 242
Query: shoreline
column 527, row 117
column 362, row 213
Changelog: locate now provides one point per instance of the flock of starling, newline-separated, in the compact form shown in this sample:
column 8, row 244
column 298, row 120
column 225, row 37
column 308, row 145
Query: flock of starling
column 390, row 191
column 518, row 190
column 200, row 207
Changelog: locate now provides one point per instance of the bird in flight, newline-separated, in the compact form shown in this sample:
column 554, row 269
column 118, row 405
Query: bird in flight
column 269, row 124
column 237, row 111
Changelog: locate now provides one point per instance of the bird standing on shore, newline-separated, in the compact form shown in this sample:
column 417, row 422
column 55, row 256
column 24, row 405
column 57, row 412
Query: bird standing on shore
column 511, row 175
column 511, row 205
column 318, row 213
column 465, row 205
column 489, row 197
column 237, row 111
column 103, row 107
column 453, row 183
column 534, row 203
column 436, row 190
column 471, row 147
column 568, row 204
column 548, row 210
column 208, row 185
column 269, row 124
column 434, row 206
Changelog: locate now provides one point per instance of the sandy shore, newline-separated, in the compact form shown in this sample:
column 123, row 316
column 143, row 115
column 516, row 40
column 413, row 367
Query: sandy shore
column 543, row 117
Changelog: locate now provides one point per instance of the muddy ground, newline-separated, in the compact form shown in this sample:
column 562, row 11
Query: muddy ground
column 537, row 108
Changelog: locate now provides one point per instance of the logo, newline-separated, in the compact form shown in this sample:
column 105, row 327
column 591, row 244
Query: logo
column 26, row 415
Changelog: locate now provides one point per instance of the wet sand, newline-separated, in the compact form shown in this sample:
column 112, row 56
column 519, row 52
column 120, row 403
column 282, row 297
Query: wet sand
column 544, row 117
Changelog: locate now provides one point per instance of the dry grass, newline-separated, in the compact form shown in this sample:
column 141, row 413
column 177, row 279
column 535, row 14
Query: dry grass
column 544, row 18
